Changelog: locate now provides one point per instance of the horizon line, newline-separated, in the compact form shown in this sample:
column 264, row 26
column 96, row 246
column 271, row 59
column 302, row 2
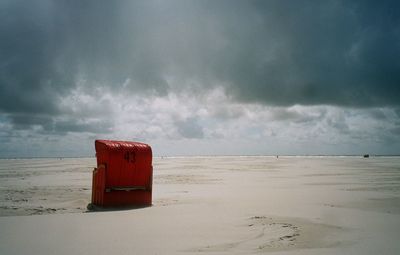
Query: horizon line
column 205, row 155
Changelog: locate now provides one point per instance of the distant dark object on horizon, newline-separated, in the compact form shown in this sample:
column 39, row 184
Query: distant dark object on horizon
column 366, row 155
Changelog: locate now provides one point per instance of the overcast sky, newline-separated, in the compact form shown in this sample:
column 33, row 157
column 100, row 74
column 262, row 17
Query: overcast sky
column 200, row 77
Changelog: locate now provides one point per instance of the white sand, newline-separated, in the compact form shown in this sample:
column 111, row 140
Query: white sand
column 209, row 205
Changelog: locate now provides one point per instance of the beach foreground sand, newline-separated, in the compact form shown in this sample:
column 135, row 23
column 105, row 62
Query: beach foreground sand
column 208, row 205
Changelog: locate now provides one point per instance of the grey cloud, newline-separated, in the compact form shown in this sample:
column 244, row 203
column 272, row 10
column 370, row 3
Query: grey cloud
column 101, row 127
column 377, row 114
column 395, row 131
column 50, row 125
column 284, row 114
column 339, row 125
column 26, row 121
column 190, row 128
column 225, row 112
column 397, row 111
column 271, row 52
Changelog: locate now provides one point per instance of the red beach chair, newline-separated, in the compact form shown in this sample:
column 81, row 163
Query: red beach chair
column 124, row 174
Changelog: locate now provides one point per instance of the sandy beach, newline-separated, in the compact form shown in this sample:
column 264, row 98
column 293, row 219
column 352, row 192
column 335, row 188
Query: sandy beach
column 207, row 205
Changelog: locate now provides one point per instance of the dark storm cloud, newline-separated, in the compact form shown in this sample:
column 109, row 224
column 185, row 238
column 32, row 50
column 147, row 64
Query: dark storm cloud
column 51, row 125
column 272, row 52
column 30, row 80
column 317, row 52
column 25, row 121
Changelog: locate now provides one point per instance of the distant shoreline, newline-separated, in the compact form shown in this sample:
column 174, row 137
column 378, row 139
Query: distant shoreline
column 207, row 156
